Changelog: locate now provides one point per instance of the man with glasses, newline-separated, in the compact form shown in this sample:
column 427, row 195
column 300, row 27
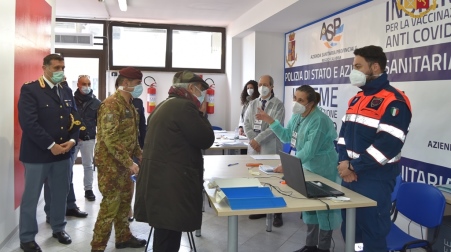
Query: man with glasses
column 87, row 104
column 117, row 144
column 262, row 139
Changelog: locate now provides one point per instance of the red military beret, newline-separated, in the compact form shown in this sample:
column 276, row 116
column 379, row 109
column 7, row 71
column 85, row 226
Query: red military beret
column 131, row 73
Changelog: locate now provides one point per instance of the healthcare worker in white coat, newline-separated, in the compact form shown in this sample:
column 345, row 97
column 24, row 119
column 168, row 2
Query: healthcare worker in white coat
column 311, row 135
column 261, row 139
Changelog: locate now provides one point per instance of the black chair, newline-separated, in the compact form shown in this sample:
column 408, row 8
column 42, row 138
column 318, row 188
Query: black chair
column 192, row 245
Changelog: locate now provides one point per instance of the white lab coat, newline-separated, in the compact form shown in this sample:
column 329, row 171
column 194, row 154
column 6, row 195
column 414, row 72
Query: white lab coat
column 268, row 141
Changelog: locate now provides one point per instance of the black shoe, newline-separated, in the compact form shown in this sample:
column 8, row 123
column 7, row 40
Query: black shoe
column 278, row 221
column 308, row 249
column 132, row 243
column 89, row 195
column 257, row 216
column 76, row 212
column 30, row 246
column 62, row 237
column 130, row 219
column 47, row 219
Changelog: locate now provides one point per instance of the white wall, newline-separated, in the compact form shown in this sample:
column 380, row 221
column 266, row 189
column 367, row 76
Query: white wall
column 9, row 217
column 269, row 59
column 164, row 82
column 261, row 54
column 9, row 220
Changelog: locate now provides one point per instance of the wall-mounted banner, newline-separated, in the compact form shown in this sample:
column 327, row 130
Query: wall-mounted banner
column 416, row 36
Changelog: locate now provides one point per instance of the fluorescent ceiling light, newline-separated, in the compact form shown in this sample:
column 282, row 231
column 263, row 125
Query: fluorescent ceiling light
column 122, row 5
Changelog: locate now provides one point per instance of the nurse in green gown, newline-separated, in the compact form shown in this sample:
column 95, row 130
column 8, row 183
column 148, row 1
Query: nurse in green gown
column 311, row 135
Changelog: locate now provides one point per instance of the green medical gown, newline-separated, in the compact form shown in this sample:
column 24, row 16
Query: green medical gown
column 315, row 148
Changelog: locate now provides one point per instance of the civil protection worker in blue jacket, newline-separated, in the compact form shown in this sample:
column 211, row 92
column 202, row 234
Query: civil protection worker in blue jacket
column 369, row 146
column 50, row 129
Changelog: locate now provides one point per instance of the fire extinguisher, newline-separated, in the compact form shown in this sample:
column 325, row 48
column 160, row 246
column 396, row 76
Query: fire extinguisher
column 211, row 97
column 151, row 94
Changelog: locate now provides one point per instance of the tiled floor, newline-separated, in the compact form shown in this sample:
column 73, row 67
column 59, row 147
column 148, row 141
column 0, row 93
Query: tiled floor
column 252, row 235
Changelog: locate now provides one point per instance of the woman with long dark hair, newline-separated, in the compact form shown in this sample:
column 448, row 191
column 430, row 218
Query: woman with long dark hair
column 249, row 93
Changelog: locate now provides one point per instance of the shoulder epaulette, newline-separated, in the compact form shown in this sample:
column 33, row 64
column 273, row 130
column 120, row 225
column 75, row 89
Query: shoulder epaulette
column 41, row 82
column 28, row 82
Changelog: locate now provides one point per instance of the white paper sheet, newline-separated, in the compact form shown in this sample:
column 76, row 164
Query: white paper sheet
column 266, row 157
column 237, row 182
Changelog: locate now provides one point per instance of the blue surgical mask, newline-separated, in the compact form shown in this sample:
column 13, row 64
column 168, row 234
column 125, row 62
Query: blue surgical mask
column 85, row 90
column 202, row 95
column 58, row 76
column 137, row 91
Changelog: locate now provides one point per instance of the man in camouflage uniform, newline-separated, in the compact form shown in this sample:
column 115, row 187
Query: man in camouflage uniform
column 117, row 144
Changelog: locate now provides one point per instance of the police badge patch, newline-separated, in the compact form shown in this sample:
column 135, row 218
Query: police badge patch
column 376, row 102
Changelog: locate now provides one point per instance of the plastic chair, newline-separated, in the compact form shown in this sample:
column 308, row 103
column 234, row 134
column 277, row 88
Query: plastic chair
column 423, row 204
column 216, row 128
column 190, row 239
column 394, row 194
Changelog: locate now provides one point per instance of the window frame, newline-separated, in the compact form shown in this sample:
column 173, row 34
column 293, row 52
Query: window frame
column 168, row 61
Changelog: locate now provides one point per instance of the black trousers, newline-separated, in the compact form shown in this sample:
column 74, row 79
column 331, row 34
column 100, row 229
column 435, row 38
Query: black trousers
column 165, row 240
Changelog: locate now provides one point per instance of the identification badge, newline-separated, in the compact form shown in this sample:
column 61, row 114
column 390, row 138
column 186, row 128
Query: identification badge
column 294, row 136
column 257, row 128
column 257, row 125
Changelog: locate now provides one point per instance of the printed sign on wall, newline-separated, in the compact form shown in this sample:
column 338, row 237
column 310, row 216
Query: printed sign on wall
column 416, row 37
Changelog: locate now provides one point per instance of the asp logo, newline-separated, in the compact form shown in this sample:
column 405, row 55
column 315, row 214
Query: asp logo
column 331, row 34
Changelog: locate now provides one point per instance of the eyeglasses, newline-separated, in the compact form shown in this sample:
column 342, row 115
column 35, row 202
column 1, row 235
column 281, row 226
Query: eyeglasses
column 84, row 75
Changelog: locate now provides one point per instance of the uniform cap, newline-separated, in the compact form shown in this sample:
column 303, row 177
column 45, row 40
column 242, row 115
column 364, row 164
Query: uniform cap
column 131, row 73
column 189, row 77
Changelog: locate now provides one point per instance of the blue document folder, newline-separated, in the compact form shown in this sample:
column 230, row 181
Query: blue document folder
column 242, row 198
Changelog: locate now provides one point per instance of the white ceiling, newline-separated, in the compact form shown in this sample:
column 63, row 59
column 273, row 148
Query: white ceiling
column 203, row 12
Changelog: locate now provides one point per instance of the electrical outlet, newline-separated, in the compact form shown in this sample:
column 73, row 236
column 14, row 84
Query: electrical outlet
column 114, row 74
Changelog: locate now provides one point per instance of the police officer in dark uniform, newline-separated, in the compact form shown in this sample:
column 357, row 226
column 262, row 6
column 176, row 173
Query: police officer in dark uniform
column 49, row 125
column 71, row 206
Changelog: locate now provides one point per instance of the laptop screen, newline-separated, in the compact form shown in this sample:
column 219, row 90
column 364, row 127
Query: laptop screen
column 295, row 178
column 293, row 173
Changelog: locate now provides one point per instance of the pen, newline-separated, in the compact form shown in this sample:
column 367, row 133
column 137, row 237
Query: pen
column 232, row 164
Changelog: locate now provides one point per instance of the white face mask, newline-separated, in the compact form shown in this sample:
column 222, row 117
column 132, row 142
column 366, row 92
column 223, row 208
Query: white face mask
column 264, row 91
column 298, row 108
column 357, row 78
column 250, row 91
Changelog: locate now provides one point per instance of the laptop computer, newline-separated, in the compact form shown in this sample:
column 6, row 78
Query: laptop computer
column 295, row 178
